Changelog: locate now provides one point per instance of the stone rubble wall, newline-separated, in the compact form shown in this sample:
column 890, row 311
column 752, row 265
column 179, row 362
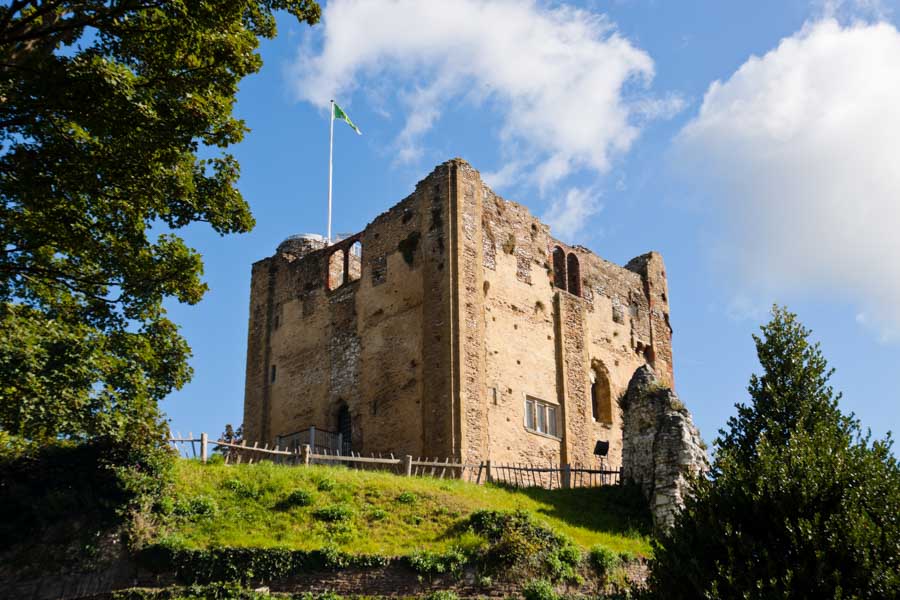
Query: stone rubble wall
column 662, row 449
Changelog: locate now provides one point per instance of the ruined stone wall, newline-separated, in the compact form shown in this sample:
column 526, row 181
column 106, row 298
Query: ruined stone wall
column 662, row 447
column 541, row 341
column 451, row 319
column 379, row 343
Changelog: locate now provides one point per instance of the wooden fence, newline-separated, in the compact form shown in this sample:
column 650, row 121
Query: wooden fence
column 515, row 475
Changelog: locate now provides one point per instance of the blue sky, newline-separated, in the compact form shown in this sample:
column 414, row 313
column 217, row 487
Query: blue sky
column 754, row 144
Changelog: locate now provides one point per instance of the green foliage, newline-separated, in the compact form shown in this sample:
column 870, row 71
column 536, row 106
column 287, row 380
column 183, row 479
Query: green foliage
column 333, row 513
column 539, row 589
column 449, row 562
column 243, row 565
column 212, row 591
column 517, row 542
column 407, row 247
column 440, row 595
column 242, row 488
column 57, row 500
column 299, row 498
column 799, row 502
column 407, row 498
column 196, row 507
column 603, row 560
column 325, row 484
column 106, row 109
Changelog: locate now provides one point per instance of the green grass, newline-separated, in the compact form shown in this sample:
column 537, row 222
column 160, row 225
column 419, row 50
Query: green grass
column 365, row 512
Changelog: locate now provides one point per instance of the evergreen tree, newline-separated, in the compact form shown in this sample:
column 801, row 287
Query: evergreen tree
column 799, row 502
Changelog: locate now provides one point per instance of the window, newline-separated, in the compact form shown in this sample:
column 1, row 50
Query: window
column 541, row 417
column 574, row 275
column 601, row 394
column 559, row 268
column 273, row 373
column 336, row 269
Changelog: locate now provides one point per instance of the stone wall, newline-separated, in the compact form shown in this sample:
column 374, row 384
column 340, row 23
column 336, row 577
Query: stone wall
column 662, row 448
column 393, row 580
column 451, row 319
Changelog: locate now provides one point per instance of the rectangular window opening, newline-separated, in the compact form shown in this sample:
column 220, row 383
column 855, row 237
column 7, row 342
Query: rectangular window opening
column 541, row 417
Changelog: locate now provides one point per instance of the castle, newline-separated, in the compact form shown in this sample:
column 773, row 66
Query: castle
column 454, row 325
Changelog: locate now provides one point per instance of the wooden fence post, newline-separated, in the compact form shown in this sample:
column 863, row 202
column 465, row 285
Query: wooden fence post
column 567, row 476
column 489, row 476
column 407, row 465
column 203, row 455
column 304, row 455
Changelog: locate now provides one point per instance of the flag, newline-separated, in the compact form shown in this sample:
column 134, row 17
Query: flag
column 340, row 114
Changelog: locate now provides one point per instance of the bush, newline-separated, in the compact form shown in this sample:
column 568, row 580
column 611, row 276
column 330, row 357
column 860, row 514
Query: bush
column 333, row 513
column 326, row 485
column 428, row 563
column 407, row 498
column 539, row 589
column 75, row 492
column 298, row 498
column 242, row 489
column 440, row 595
column 603, row 560
column 377, row 514
column 517, row 543
column 196, row 507
column 247, row 564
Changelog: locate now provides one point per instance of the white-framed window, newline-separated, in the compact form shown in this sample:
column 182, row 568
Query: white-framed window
column 541, row 417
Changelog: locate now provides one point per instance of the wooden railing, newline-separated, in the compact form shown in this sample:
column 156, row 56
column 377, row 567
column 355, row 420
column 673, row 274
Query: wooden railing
column 516, row 475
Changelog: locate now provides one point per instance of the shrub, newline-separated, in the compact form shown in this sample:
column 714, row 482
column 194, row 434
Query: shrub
column 298, row 498
column 242, row 489
column 603, row 560
column 440, row 595
column 539, row 589
column 196, row 507
column 333, row 513
column 517, row 543
column 325, row 485
column 407, row 498
column 377, row 514
column 436, row 563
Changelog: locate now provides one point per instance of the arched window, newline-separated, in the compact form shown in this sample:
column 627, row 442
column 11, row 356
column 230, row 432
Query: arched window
column 559, row 268
column 354, row 261
column 601, row 394
column 336, row 269
column 345, row 428
column 574, row 271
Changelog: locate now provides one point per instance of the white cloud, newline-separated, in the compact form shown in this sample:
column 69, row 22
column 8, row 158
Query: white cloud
column 570, row 92
column 800, row 150
column 568, row 215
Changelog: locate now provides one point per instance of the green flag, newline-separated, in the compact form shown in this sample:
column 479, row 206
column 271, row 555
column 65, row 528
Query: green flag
column 340, row 114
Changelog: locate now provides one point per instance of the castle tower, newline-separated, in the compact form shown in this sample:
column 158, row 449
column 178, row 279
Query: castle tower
column 453, row 325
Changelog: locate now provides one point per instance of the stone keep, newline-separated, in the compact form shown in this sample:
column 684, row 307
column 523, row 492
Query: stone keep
column 454, row 325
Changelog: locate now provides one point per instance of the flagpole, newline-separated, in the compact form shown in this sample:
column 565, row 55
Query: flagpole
column 330, row 169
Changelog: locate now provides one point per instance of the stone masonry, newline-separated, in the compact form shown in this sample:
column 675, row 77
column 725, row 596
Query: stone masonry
column 662, row 449
column 453, row 325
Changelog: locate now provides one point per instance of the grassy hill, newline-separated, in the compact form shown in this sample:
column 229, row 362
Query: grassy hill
column 366, row 512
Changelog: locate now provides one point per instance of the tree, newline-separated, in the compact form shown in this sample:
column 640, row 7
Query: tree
column 799, row 502
column 105, row 111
